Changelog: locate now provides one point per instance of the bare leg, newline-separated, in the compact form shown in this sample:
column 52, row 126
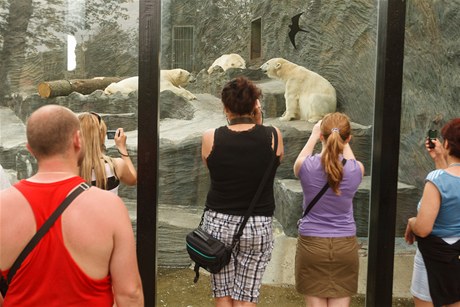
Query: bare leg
column 420, row 303
column 339, row 302
column 225, row 301
column 243, row 304
column 313, row 301
column 457, row 304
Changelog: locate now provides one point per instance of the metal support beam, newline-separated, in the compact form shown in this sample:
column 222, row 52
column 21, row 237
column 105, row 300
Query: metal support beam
column 148, row 136
column 385, row 152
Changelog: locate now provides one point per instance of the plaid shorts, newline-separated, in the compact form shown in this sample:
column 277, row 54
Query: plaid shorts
column 242, row 277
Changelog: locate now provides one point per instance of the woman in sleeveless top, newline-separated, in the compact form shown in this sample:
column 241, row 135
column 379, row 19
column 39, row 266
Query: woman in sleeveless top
column 436, row 228
column 97, row 168
column 237, row 156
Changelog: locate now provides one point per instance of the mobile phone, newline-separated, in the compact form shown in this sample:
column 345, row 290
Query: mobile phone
column 111, row 134
column 432, row 135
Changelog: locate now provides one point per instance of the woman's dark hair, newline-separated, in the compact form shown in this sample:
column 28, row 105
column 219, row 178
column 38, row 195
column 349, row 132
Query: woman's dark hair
column 239, row 95
column 451, row 132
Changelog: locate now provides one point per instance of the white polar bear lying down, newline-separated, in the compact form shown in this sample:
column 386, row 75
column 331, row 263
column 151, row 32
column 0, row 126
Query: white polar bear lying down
column 227, row 61
column 172, row 79
column 308, row 95
column 124, row 86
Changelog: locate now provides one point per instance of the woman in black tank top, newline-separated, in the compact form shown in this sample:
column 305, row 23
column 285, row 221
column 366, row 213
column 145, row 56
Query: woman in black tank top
column 237, row 157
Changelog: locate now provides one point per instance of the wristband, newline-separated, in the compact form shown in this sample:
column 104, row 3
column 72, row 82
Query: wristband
column 122, row 154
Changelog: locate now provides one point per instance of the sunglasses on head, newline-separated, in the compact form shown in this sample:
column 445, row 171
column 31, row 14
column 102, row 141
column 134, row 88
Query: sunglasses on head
column 97, row 116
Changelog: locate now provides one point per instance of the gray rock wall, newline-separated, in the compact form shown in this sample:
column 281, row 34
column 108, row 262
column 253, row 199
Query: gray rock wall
column 289, row 198
column 341, row 46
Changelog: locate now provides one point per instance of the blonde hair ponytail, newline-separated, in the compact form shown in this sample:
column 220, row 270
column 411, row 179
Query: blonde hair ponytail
column 335, row 129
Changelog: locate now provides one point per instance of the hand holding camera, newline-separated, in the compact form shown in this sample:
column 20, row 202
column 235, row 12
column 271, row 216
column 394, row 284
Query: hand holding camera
column 432, row 135
column 111, row 134
column 119, row 137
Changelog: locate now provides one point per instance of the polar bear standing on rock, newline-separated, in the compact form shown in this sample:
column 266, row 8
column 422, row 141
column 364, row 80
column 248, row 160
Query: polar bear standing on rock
column 227, row 61
column 308, row 95
column 173, row 80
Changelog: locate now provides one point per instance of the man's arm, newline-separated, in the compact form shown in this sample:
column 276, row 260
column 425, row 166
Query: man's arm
column 124, row 271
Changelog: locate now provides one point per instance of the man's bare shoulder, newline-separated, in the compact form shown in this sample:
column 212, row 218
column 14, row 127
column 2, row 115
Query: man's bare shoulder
column 100, row 201
column 11, row 199
column 8, row 192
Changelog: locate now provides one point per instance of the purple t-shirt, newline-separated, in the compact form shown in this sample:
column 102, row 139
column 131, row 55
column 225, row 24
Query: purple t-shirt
column 332, row 215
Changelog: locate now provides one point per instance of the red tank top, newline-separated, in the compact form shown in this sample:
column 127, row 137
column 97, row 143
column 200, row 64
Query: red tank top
column 49, row 276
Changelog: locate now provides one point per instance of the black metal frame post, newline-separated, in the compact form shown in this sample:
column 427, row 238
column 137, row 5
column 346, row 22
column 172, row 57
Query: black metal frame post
column 148, row 136
column 385, row 152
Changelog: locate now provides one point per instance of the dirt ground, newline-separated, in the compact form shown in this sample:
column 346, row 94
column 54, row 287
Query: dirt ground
column 175, row 288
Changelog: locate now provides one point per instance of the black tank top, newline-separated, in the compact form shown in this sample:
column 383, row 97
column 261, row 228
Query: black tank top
column 236, row 164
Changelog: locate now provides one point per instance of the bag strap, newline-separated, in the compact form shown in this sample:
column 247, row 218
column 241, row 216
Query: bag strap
column 259, row 189
column 237, row 235
column 44, row 229
column 319, row 195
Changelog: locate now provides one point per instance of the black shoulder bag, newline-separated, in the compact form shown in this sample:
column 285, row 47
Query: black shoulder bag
column 317, row 197
column 212, row 254
column 4, row 283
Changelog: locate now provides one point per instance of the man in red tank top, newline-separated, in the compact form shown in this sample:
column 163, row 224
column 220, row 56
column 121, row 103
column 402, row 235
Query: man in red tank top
column 88, row 257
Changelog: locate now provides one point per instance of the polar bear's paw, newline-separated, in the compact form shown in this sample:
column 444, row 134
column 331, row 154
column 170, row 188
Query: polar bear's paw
column 315, row 119
column 286, row 118
column 189, row 96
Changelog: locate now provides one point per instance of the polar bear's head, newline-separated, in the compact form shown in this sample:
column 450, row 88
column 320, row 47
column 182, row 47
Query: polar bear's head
column 178, row 77
column 226, row 61
column 273, row 67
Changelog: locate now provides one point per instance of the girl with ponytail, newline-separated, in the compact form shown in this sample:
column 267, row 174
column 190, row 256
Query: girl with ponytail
column 327, row 263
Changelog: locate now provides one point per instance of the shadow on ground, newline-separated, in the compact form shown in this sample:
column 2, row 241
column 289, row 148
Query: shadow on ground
column 175, row 288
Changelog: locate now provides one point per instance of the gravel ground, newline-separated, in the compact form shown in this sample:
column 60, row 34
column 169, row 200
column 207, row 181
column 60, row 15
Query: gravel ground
column 175, row 288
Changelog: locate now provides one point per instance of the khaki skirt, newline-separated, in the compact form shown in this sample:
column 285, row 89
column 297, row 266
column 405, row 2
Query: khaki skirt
column 327, row 267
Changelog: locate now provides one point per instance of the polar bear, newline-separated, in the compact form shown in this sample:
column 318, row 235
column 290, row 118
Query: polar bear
column 308, row 95
column 175, row 80
column 227, row 61
column 124, row 86
column 170, row 79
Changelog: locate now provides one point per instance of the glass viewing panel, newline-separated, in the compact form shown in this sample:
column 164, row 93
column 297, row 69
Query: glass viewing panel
column 47, row 46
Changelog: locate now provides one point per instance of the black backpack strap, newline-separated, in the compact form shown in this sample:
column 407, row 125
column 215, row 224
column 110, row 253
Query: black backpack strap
column 44, row 229
column 318, row 196
column 197, row 272
column 256, row 197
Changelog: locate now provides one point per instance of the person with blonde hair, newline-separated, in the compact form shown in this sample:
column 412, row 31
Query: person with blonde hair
column 97, row 168
column 326, row 262
column 88, row 256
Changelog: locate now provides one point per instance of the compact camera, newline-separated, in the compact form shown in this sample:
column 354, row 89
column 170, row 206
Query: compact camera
column 432, row 135
column 111, row 134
